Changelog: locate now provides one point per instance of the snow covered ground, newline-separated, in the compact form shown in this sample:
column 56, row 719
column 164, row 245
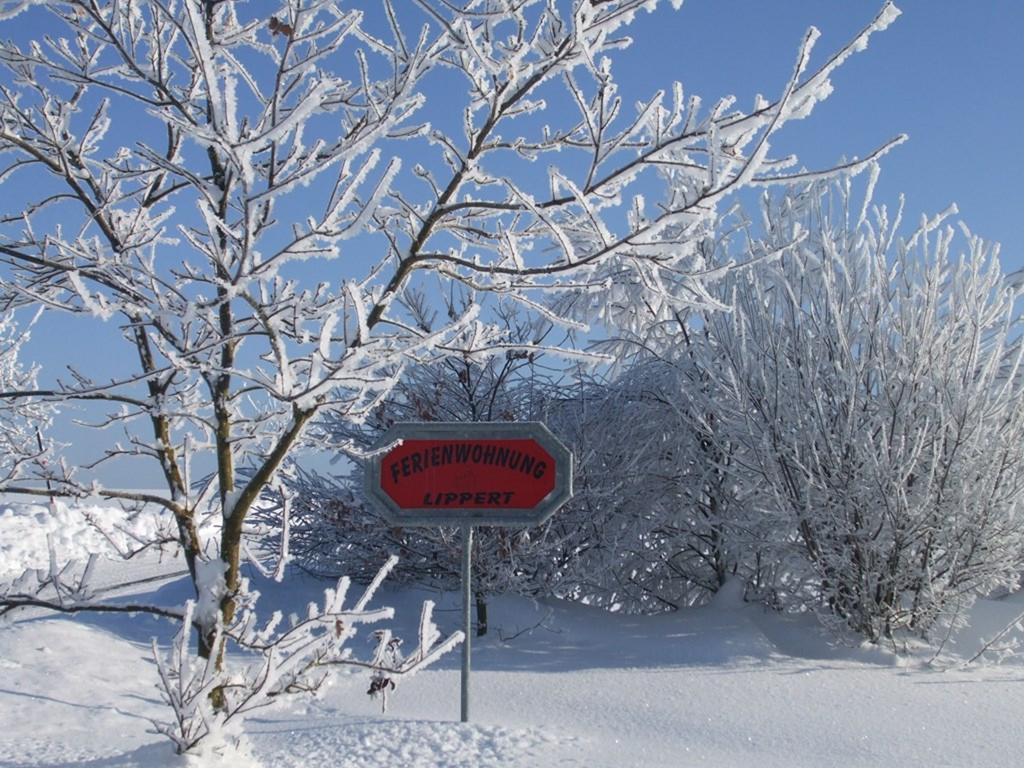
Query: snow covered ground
column 553, row 685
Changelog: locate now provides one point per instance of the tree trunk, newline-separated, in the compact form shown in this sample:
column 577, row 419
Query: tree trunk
column 481, row 614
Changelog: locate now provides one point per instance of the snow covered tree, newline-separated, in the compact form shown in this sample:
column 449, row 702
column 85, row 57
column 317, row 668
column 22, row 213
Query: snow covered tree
column 874, row 384
column 249, row 194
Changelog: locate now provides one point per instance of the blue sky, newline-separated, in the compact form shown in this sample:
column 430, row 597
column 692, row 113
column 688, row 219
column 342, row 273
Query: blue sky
column 949, row 73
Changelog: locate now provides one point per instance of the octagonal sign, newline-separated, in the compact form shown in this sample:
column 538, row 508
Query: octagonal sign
column 469, row 473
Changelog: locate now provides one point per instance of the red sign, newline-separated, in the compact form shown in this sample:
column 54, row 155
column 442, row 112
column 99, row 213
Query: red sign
column 480, row 473
column 468, row 474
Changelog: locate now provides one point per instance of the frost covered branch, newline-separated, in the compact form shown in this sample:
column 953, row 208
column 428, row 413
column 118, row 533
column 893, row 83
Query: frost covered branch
column 290, row 660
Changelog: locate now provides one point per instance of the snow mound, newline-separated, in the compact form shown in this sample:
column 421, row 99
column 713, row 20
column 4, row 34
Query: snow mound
column 26, row 531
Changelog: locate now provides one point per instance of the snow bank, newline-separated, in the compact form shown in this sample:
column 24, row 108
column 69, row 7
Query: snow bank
column 76, row 532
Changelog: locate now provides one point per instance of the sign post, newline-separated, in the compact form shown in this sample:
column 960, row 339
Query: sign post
column 467, row 619
column 468, row 474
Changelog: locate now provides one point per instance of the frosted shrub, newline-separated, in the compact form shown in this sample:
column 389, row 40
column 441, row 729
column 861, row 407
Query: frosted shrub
column 653, row 509
column 874, row 384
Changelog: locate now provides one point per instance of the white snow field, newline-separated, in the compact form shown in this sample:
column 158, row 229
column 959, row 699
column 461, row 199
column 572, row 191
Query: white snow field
column 554, row 684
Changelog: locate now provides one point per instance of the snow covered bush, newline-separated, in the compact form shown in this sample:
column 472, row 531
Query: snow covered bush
column 844, row 438
column 874, row 384
column 653, row 508
column 47, row 551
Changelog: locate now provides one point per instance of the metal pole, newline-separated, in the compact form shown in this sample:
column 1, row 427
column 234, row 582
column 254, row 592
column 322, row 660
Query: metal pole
column 467, row 591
